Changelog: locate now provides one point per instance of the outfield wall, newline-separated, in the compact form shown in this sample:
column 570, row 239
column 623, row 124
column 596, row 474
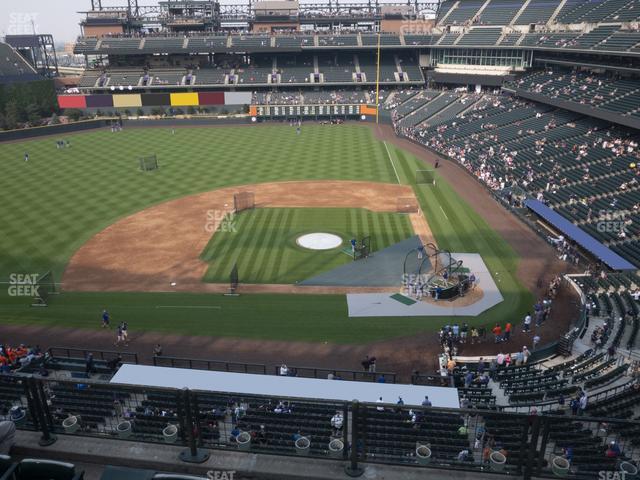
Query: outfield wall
column 25, row 133
column 279, row 111
column 137, row 100
column 195, row 121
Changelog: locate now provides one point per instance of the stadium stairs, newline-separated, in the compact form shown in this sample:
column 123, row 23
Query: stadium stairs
column 546, row 141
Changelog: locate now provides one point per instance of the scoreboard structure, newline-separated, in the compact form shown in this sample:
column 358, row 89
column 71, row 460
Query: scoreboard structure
column 320, row 110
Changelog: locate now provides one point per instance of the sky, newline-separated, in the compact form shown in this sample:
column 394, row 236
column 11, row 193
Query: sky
column 57, row 17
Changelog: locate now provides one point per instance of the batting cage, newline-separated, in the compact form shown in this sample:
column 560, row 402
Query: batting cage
column 425, row 177
column 407, row 205
column 363, row 248
column 43, row 289
column 148, row 163
column 416, row 263
column 243, row 201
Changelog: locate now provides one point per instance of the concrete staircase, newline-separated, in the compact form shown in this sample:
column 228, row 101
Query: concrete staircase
column 556, row 12
column 522, row 9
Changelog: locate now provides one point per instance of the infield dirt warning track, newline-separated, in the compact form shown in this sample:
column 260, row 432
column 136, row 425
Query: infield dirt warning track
column 150, row 249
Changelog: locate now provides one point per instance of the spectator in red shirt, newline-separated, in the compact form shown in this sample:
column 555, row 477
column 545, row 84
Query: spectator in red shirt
column 497, row 332
column 507, row 331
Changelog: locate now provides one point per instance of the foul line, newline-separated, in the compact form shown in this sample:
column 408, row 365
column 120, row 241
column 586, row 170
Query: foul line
column 443, row 212
column 391, row 160
column 189, row 306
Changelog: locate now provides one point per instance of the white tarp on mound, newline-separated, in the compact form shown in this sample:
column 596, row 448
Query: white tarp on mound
column 277, row 386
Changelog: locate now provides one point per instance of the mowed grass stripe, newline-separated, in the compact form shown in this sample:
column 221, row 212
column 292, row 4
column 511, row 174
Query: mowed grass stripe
column 400, row 227
column 400, row 163
column 267, row 242
column 252, row 241
column 383, row 225
column 224, row 261
column 256, row 239
column 279, row 262
column 269, row 261
column 266, row 253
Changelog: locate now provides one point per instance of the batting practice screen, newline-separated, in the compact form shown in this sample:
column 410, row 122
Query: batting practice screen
column 148, row 163
column 425, row 177
column 243, row 201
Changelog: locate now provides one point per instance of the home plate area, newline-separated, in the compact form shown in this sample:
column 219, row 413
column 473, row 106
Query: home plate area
column 401, row 305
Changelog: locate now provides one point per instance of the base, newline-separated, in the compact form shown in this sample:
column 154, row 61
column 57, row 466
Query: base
column 200, row 457
column 45, row 443
column 357, row 472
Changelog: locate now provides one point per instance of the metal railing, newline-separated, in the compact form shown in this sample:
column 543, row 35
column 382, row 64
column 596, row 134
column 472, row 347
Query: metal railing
column 215, row 365
column 222, row 365
column 435, row 380
column 472, row 440
column 81, row 353
column 338, row 374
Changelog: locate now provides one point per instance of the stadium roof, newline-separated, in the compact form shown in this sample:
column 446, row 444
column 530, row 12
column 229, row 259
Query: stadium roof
column 586, row 241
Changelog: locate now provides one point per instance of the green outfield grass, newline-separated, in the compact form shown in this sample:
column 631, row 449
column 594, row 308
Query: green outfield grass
column 262, row 242
column 54, row 203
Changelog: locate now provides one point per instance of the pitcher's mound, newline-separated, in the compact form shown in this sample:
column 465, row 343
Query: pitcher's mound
column 319, row 241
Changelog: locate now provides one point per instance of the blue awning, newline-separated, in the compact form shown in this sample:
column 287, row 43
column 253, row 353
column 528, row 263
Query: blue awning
column 582, row 238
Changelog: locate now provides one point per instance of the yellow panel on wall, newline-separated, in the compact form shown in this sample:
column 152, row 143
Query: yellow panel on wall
column 127, row 100
column 184, row 99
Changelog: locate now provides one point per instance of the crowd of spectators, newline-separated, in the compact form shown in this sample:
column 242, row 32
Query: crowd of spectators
column 325, row 97
column 569, row 85
column 495, row 162
column 453, row 337
column 15, row 357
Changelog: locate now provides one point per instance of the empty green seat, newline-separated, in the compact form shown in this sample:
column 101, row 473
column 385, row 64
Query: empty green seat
column 37, row 469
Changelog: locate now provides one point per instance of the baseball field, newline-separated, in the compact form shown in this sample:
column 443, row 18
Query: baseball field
column 63, row 199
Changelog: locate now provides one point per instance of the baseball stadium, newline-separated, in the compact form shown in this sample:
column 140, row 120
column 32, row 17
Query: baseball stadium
column 314, row 239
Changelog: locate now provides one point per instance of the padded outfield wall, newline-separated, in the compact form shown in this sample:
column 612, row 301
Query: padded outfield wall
column 138, row 100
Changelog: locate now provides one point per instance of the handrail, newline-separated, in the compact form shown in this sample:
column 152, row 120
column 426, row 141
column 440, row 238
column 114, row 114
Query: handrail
column 67, row 352
column 368, row 376
column 217, row 365
column 258, row 368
